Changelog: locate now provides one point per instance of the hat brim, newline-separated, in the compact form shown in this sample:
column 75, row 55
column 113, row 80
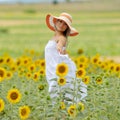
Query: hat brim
column 51, row 20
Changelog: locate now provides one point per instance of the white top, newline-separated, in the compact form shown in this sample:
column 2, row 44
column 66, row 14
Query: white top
column 53, row 58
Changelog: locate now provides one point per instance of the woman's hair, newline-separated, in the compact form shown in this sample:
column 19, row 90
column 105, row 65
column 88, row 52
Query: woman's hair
column 66, row 32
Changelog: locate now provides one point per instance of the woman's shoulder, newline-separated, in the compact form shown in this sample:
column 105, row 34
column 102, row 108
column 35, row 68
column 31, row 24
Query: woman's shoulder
column 61, row 37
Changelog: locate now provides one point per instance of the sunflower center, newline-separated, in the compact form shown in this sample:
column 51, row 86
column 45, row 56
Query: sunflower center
column 42, row 64
column 1, row 73
column 85, row 80
column 72, row 110
column 118, row 68
column 80, row 72
column 95, row 60
column 8, row 60
column 32, row 68
column 61, row 80
column 1, row 60
column 23, row 112
column 14, row 96
column 62, row 69
column 35, row 76
column 8, row 75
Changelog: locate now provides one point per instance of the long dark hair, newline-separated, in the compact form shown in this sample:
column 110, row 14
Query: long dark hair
column 66, row 32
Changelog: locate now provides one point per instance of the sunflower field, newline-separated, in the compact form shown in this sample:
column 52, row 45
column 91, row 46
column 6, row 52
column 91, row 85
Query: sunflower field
column 24, row 89
column 23, row 86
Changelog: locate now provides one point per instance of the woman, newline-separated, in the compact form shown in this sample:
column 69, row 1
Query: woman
column 55, row 52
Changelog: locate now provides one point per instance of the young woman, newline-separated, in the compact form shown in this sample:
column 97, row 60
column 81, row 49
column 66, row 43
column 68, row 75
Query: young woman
column 55, row 52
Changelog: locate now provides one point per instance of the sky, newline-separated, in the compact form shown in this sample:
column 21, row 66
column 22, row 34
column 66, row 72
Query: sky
column 28, row 1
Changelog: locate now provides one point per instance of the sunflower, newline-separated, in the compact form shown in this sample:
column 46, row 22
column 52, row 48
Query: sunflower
column 99, row 80
column 61, row 81
column 72, row 110
column 95, row 59
column 2, row 60
column 18, row 62
column 80, row 73
column 8, row 60
column 28, row 75
column 9, row 75
column 14, row 95
column 13, row 67
column 26, row 61
column 62, row 105
column 36, row 76
column 86, row 79
column 117, row 68
column 32, row 68
column 42, row 72
column 24, row 112
column 2, row 74
column 2, row 104
column 80, row 107
column 62, row 69
column 82, row 59
column 42, row 63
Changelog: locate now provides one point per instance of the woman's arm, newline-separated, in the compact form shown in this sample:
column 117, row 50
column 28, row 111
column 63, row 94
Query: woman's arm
column 60, row 44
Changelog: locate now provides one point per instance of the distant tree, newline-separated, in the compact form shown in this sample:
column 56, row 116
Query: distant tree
column 55, row 2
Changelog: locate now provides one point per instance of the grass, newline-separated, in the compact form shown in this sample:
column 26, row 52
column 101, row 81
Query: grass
column 98, row 24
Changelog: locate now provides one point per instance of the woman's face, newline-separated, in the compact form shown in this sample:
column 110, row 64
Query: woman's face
column 61, row 26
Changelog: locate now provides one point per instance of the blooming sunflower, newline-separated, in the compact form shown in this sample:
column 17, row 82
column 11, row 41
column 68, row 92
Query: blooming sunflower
column 28, row 75
column 80, row 73
column 61, row 81
column 42, row 63
column 82, row 59
column 42, row 72
column 80, row 107
column 62, row 69
column 2, row 74
column 9, row 75
column 32, row 67
column 117, row 68
column 72, row 110
column 14, row 95
column 24, row 112
column 62, row 105
column 95, row 59
column 86, row 79
column 2, row 104
column 36, row 76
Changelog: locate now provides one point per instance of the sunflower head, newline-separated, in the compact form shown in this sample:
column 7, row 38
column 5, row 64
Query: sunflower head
column 72, row 110
column 24, row 112
column 80, row 107
column 86, row 79
column 2, row 74
column 14, row 95
column 80, row 73
column 61, row 81
column 62, row 105
column 1, row 105
column 62, row 69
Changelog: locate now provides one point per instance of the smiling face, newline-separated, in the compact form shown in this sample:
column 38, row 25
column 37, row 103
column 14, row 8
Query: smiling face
column 61, row 26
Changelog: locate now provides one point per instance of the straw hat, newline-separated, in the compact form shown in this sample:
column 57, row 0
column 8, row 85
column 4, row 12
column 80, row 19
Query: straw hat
column 67, row 18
